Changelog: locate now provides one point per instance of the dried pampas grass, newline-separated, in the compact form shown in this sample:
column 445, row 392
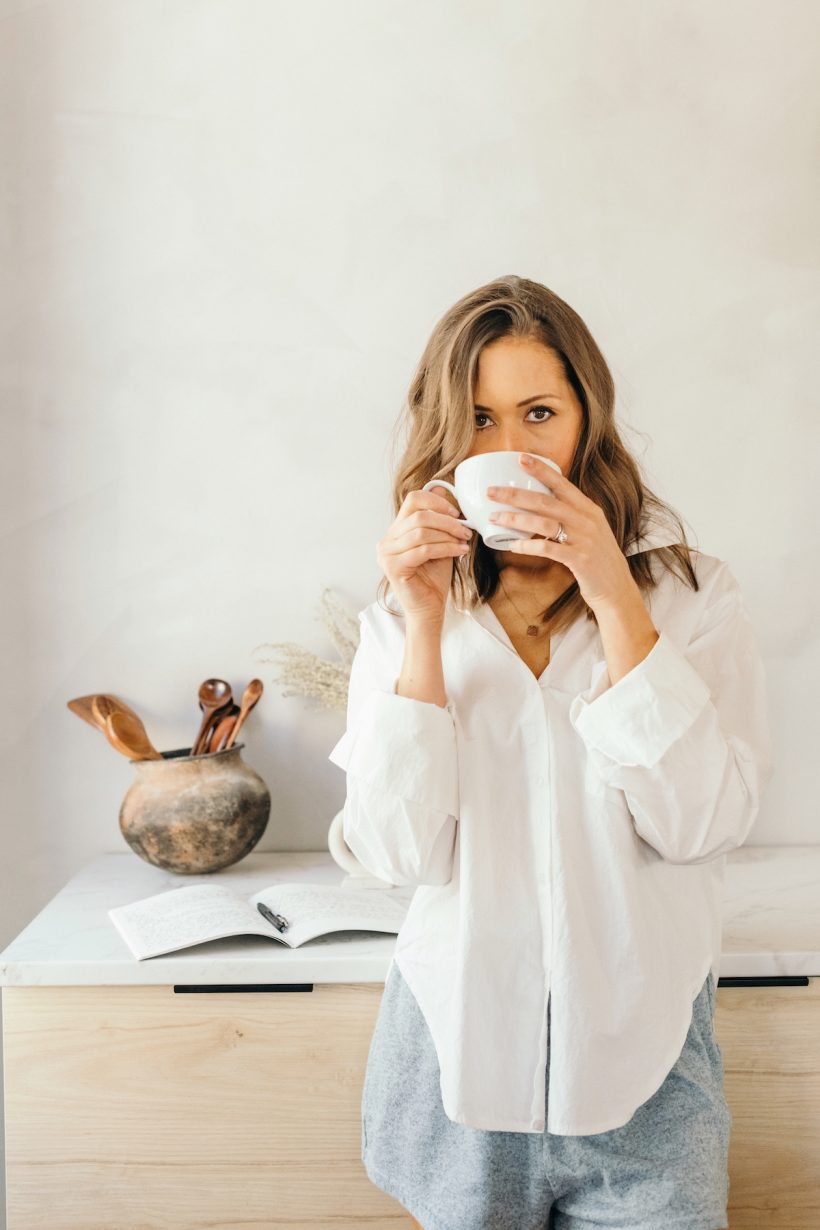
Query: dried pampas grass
column 305, row 673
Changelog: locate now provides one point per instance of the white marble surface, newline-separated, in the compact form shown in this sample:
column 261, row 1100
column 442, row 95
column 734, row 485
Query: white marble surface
column 771, row 926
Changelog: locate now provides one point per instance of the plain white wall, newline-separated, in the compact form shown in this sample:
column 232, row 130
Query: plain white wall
column 228, row 227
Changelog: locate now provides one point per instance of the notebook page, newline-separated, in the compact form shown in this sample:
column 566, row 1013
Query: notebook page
column 316, row 909
column 182, row 917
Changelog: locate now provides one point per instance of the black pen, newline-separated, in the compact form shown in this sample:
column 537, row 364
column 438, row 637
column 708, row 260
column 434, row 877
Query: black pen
column 278, row 921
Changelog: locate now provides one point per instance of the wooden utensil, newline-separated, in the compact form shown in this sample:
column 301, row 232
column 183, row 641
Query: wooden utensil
column 250, row 696
column 83, row 707
column 125, row 731
column 102, row 708
column 214, row 694
column 222, row 729
column 224, row 735
column 215, row 718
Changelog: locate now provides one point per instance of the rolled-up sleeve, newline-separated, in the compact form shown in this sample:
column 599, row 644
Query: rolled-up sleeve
column 685, row 734
column 400, row 757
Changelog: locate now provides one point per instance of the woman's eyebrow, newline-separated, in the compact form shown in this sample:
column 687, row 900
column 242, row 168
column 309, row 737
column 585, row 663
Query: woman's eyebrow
column 525, row 402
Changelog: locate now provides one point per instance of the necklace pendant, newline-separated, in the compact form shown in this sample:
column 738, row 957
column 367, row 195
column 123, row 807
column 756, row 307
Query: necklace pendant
column 532, row 630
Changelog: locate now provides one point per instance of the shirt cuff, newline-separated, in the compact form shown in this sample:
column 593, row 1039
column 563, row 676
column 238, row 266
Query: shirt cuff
column 404, row 746
column 636, row 720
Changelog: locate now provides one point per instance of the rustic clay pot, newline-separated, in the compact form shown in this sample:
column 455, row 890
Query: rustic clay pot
column 195, row 814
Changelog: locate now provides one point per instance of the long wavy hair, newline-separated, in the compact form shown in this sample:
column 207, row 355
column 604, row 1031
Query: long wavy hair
column 439, row 418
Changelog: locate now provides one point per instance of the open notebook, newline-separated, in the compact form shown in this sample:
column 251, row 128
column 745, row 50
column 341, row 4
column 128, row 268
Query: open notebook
column 292, row 914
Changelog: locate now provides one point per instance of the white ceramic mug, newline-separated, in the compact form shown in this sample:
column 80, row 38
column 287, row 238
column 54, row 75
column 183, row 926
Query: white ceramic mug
column 474, row 475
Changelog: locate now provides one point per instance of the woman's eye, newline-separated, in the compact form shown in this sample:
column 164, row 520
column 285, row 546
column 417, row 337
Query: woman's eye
column 533, row 409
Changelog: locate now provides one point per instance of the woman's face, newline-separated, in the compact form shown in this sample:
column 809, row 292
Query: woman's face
column 511, row 371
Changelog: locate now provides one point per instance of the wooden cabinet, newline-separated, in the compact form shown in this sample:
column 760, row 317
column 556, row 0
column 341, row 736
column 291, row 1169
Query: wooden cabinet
column 178, row 1109
column 768, row 1030
column 136, row 1107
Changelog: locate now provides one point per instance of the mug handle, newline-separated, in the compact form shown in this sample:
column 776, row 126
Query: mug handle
column 442, row 482
column 357, row 875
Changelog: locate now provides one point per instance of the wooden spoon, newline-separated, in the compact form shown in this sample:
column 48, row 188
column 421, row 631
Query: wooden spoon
column 251, row 695
column 125, row 732
column 102, row 707
column 222, row 729
column 216, row 717
column 225, row 734
column 214, row 694
column 83, row 707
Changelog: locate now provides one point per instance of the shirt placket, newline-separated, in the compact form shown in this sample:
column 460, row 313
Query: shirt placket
column 537, row 741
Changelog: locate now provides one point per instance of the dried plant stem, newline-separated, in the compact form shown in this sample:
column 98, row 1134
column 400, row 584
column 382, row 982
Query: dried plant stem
column 304, row 673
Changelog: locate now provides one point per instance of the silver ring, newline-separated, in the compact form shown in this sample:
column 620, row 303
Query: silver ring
column 561, row 536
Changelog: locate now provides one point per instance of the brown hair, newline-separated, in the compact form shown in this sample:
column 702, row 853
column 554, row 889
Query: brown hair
column 440, row 416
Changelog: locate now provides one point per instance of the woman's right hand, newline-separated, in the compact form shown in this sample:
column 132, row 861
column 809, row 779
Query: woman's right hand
column 417, row 553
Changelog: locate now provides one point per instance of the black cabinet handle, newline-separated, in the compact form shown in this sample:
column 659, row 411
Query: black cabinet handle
column 184, row 989
column 767, row 980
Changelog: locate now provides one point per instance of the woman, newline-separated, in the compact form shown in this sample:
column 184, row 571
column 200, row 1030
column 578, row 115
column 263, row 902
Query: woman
column 556, row 744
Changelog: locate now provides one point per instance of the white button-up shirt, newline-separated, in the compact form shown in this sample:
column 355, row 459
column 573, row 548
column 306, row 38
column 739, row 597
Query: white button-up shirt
column 566, row 836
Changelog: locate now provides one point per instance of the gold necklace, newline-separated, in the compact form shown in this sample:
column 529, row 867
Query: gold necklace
column 532, row 629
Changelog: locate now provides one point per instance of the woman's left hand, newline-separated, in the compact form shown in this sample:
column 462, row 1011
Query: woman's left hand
column 591, row 551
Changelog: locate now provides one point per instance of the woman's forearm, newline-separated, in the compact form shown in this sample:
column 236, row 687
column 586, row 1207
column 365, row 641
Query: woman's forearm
column 627, row 633
column 422, row 673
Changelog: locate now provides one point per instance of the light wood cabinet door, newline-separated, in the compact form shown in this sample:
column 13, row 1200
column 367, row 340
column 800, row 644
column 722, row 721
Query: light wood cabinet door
column 135, row 1107
column 142, row 1107
column 770, row 1039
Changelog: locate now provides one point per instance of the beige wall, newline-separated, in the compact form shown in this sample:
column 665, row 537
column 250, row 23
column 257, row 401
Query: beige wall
column 227, row 229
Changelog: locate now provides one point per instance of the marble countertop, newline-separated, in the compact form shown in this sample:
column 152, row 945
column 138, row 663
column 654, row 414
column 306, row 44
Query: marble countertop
column 771, row 925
